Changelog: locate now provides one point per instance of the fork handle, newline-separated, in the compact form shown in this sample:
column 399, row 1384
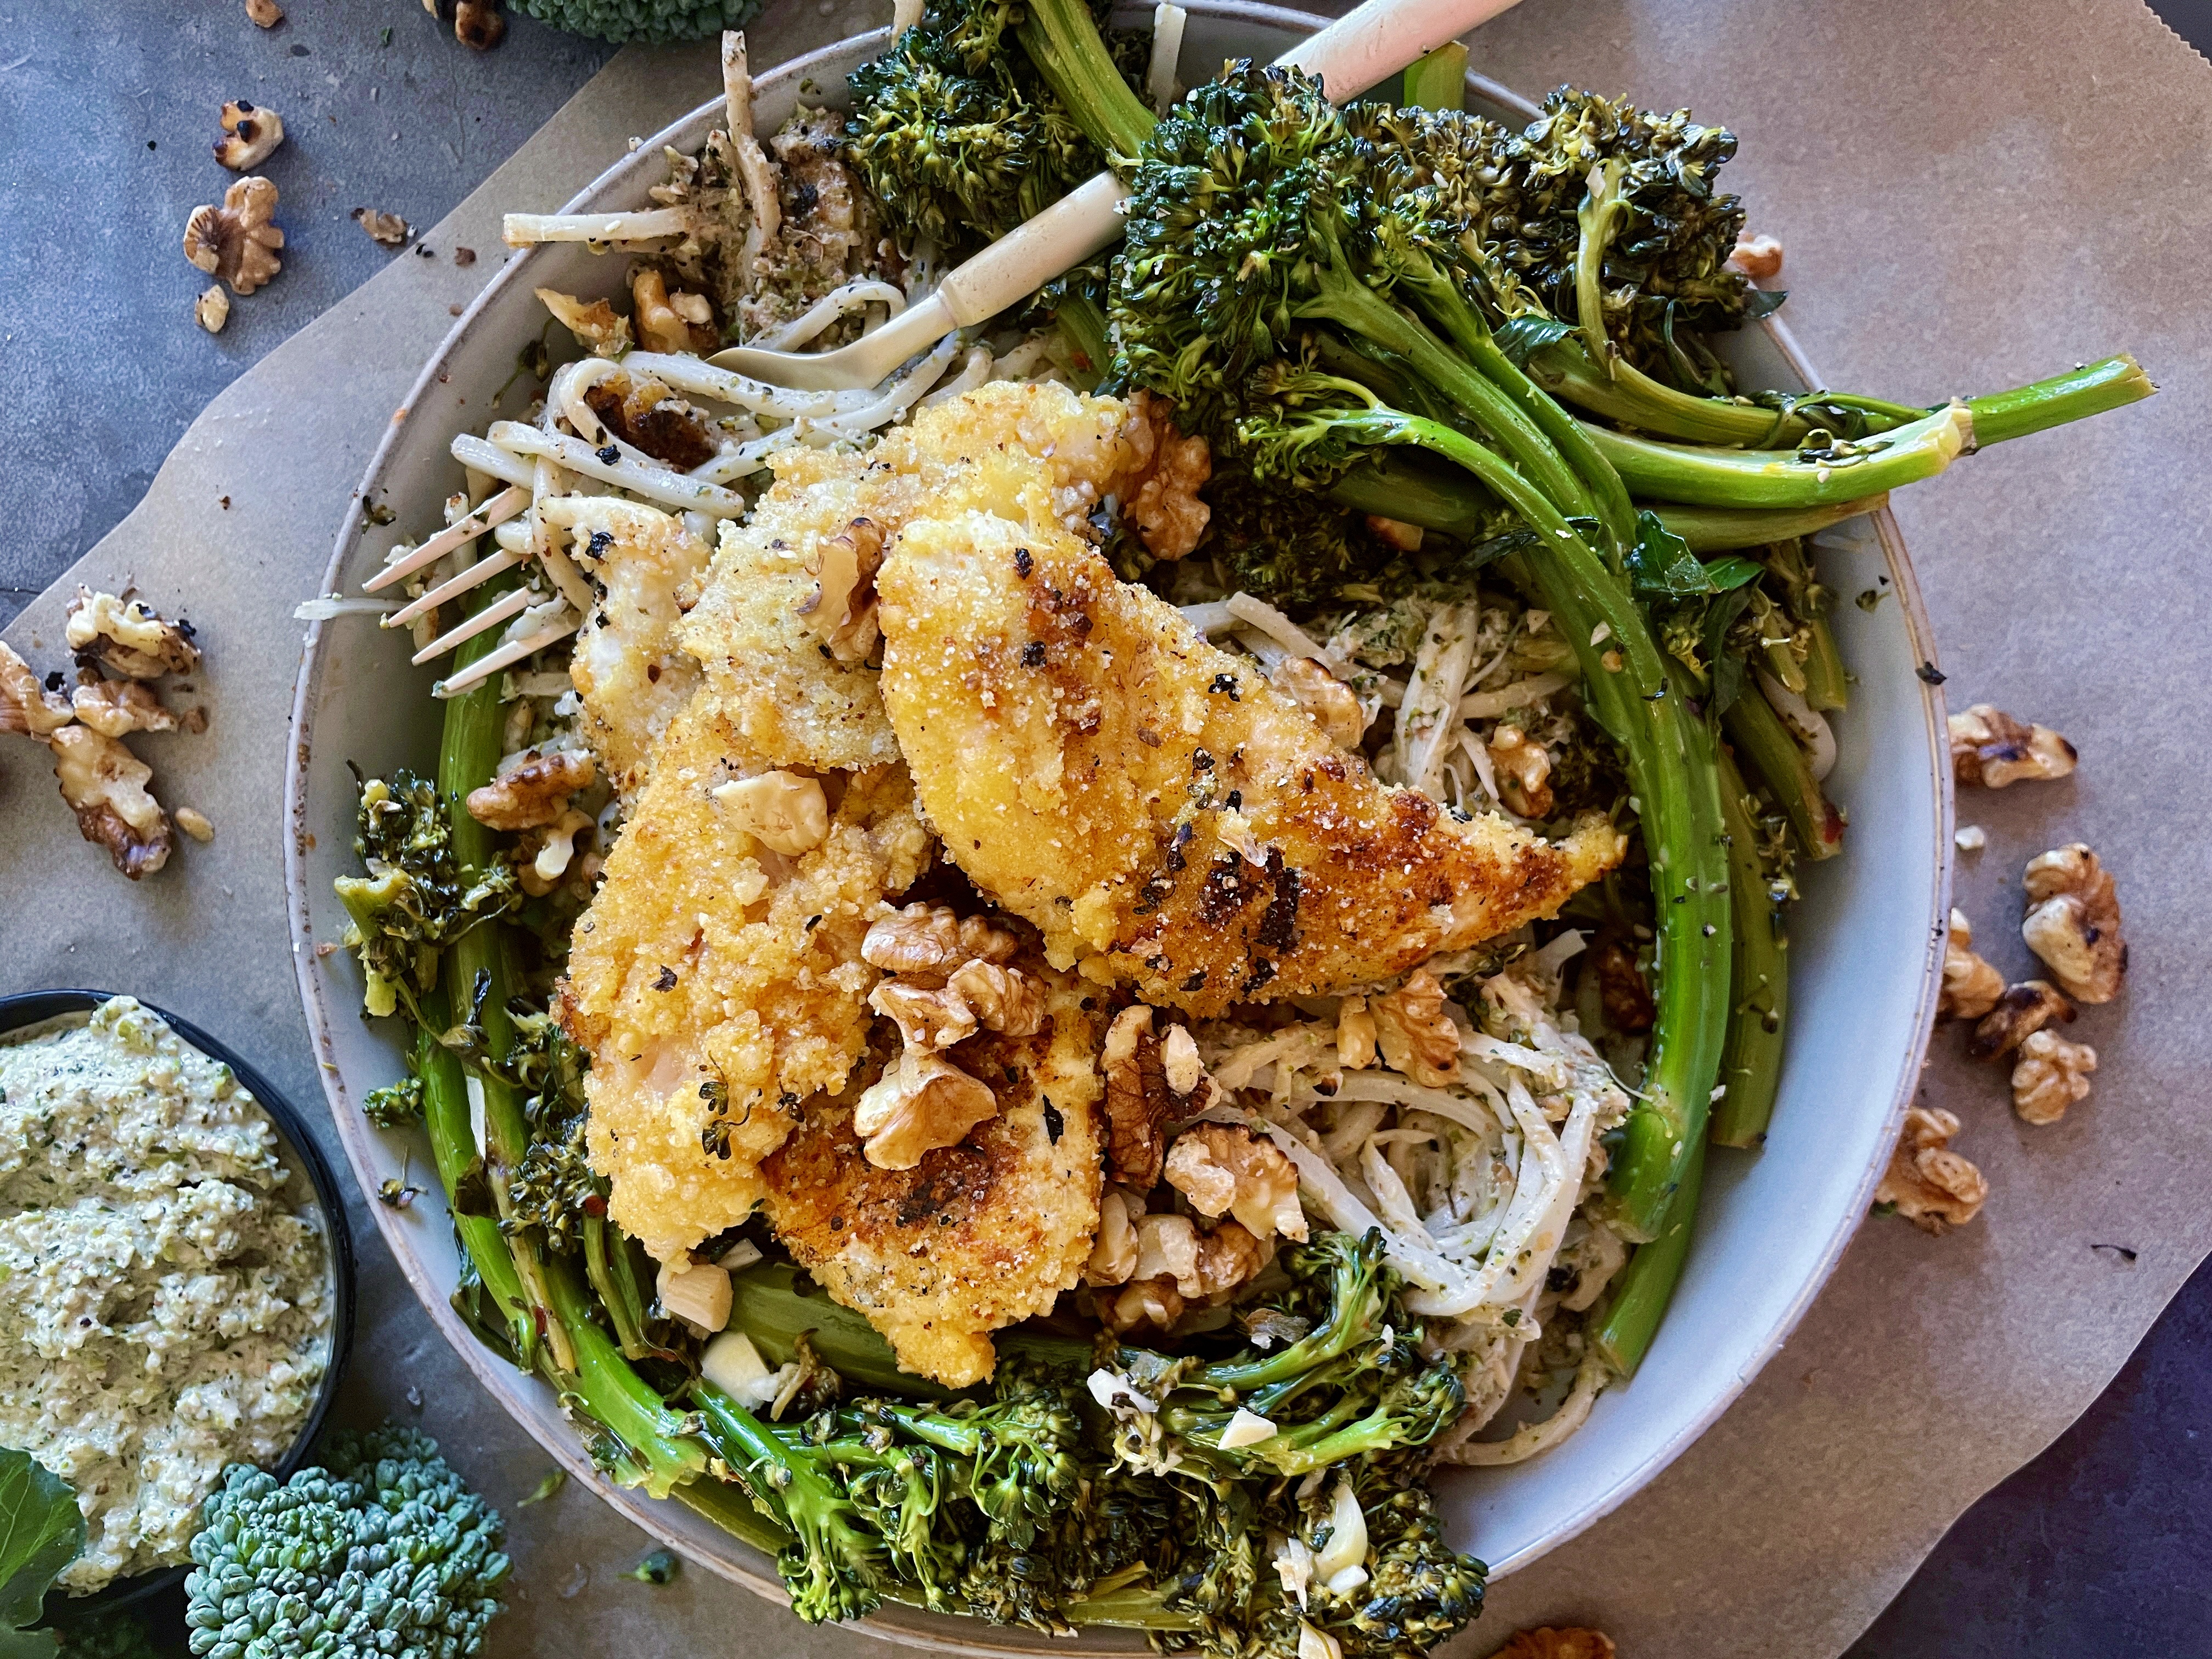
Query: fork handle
column 1375, row 41
column 1085, row 222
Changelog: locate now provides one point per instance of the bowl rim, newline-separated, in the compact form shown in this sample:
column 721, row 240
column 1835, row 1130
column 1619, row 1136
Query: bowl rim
column 951, row 1634
column 23, row 1009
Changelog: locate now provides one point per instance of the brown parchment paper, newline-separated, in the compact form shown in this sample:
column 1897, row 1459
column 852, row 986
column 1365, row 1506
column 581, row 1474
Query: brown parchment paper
column 1968, row 196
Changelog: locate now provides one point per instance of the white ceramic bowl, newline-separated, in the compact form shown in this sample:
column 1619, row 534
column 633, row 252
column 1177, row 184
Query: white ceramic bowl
column 1866, row 941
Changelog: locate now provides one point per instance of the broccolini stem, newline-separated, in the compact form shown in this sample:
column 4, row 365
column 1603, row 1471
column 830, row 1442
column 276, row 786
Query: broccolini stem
column 1671, row 772
column 664, row 1453
column 768, row 1307
column 1062, row 39
column 1084, row 325
column 1646, row 1284
column 1751, row 1065
column 1778, row 759
column 731, row 1506
column 1725, row 529
column 1394, row 491
column 1733, row 477
column 2080, row 392
column 1439, row 80
column 615, row 1285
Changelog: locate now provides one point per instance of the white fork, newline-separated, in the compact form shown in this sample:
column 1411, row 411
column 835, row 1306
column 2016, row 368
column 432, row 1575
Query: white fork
column 1357, row 51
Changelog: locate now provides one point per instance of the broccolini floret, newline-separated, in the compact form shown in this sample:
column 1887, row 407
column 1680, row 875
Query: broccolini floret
column 654, row 21
column 386, row 1551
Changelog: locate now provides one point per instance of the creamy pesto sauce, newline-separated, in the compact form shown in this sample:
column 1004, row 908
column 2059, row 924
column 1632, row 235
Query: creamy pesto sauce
column 165, row 1281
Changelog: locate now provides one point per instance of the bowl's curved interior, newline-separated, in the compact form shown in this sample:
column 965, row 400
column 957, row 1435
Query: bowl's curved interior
column 305, row 1161
column 1866, row 942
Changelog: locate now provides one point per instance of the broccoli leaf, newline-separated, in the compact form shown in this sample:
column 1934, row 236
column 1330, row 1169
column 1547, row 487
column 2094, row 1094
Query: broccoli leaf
column 1523, row 337
column 40, row 1532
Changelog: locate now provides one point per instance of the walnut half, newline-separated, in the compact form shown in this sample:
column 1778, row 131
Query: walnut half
column 1971, row 986
column 129, row 636
column 105, row 785
column 2051, row 1074
column 236, row 241
column 1418, row 1039
column 1931, row 1185
column 921, row 1103
column 535, row 792
column 1991, row 749
column 2074, row 922
column 921, row 937
column 1162, row 488
column 1222, row 1170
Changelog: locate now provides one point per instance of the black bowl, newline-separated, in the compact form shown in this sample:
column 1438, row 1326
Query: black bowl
column 31, row 1008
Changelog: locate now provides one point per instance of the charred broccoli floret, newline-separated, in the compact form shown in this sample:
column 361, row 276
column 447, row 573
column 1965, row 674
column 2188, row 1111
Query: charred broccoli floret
column 416, row 898
column 386, row 1551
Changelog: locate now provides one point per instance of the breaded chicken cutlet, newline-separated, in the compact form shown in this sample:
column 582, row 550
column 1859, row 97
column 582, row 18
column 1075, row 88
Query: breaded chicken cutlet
column 979, row 1234
column 1153, row 806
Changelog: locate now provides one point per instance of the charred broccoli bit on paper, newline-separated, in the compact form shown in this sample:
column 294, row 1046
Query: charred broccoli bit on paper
column 416, row 898
column 658, row 21
column 985, row 113
column 385, row 1551
column 1221, row 1504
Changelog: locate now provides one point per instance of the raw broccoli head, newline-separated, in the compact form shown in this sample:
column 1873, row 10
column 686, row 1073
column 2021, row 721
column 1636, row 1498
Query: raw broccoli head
column 386, row 1551
column 656, row 20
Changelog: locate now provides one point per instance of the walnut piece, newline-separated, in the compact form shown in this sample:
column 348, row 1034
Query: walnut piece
column 929, row 1017
column 785, row 812
column 921, row 1103
column 1558, row 1641
column 1622, row 991
column 1222, row 1170
column 2022, row 1010
column 662, row 325
column 1160, row 493
column 1991, row 749
column 112, row 707
column 1396, row 533
column 250, row 135
column 596, row 326
column 1005, row 999
column 1932, row 1187
column 195, row 823
column 921, row 937
column 387, row 229
column 212, row 309
column 551, row 850
column 105, row 785
column 1971, row 986
column 264, row 14
column 1326, row 698
column 1759, row 258
column 2051, row 1074
column 1355, row 1035
column 129, row 636
column 25, row 707
column 1144, row 1304
column 2074, row 922
column 1114, row 1249
column 1197, row 1264
column 235, row 242
column 1139, row 1100
column 535, row 792
column 478, row 25
column 841, row 611
column 1525, row 771
column 1417, row 1037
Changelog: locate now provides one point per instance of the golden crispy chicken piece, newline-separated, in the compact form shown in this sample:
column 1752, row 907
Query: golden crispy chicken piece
column 1153, row 805
column 979, row 1234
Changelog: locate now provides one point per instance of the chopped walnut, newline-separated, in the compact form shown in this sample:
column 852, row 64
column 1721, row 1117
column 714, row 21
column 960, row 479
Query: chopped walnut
column 1144, row 1304
column 388, row 229
column 212, row 309
column 1558, row 1641
column 923, row 937
column 26, row 707
column 1622, row 991
column 1355, row 1035
column 1759, row 258
column 478, row 25
column 195, row 823
column 841, row 610
column 111, row 708
column 928, row 1017
column 250, row 135
column 921, row 1103
column 1396, row 533
column 1931, row 1185
column 596, row 326
column 535, row 792
column 1139, row 1100
column 551, row 851
column 647, row 416
column 1005, row 999
column 1180, row 1062
column 1971, row 986
column 129, row 636
column 1221, row 1169
column 264, row 13
column 785, row 812
column 661, row 323
column 2074, row 922
column 1991, row 748
column 1326, row 698
column 235, row 242
column 1417, row 1038
column 1160, row 492
column 105, row 785
column 2051, row 1075
column 1170, row 1247
column 1114, row 1250
column 1525, row 771
column 2023, row 1010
